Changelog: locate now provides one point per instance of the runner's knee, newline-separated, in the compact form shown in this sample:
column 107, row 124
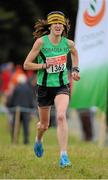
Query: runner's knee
column 60, row 116
column 41, row 126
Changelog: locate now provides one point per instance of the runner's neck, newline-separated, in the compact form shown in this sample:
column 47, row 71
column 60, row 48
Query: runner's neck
column 54, row 39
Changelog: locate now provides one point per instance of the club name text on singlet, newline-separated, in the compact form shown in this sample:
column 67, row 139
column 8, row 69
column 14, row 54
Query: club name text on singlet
column 56, row 55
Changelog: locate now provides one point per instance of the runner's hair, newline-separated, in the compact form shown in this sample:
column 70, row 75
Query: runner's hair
column 42, row 28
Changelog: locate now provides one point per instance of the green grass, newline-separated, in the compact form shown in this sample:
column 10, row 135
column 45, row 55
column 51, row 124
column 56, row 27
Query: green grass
column 19, row 162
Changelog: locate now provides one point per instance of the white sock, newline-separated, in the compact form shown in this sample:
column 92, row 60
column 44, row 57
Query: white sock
column 37, row 140
column 63, row 153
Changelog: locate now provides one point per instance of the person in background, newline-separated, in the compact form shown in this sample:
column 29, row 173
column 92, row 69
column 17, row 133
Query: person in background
column 22, row 96
column 86, row 120
column 50, row 49
column 5, row 77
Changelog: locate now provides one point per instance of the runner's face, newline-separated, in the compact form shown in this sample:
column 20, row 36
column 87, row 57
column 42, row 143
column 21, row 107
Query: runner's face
column 57, row 29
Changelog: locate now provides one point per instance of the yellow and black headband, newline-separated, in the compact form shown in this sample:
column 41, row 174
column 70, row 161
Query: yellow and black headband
column 56, row 17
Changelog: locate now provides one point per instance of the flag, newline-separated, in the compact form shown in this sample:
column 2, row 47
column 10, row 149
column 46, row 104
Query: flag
column 91, row 39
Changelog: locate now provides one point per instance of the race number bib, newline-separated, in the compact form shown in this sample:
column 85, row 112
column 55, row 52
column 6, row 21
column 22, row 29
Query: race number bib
column 58, row 63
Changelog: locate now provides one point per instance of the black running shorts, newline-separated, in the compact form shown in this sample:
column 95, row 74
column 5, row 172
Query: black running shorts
column 46, row 95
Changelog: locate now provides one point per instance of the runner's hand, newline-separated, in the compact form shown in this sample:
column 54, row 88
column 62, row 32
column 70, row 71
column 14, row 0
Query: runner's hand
column 75, row 75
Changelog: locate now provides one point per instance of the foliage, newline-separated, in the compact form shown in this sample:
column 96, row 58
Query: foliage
column 17, row 19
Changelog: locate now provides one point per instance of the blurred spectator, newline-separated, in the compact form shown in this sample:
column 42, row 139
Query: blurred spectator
column 53, row 117
column 22, row 97
column 86, row 119
column 5, row 76
column 15, row 78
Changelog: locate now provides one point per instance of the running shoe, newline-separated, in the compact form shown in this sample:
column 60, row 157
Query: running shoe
column 64, row 161
column 38, row 149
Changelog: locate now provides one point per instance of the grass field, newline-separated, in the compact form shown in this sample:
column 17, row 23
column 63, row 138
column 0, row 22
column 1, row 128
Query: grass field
column 19, row 162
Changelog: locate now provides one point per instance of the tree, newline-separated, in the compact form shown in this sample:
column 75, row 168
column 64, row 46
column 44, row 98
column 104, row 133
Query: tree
column 17, row 19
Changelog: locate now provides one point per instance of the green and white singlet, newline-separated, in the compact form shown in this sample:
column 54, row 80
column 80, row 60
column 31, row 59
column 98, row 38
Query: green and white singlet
column 57, row 74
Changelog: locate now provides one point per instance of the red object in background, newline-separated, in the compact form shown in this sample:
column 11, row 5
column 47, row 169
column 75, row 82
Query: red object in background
column 29, row 73
column 18, row 71
column 6, row 71
column 5, row 77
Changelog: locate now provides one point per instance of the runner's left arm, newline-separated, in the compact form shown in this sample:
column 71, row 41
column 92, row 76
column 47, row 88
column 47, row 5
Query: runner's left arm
column 75, row 60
